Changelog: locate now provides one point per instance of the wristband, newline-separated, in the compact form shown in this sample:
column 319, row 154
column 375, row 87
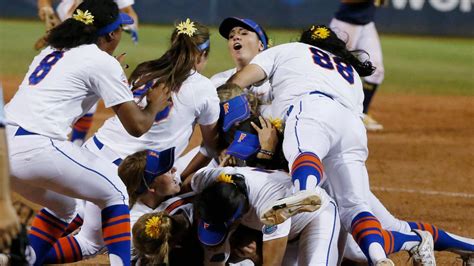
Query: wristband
column 266, row 152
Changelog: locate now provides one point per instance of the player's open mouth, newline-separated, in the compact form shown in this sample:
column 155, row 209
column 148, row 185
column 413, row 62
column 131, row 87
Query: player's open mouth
column 237, row 46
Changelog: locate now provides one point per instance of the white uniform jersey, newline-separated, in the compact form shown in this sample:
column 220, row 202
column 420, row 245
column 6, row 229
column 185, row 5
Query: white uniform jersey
column 67, row 7
column 61, row 86
column 263, row 187
column 195, row 102
column 296, row 69
column 263, row 92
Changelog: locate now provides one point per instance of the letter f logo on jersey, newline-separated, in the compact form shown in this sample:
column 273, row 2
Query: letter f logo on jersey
column 226, row 107
column 241, row 137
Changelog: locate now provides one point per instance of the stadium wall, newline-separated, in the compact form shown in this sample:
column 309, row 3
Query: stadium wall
column 420, row 17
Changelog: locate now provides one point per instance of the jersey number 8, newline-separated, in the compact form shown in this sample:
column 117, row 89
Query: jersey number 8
column 44, row 67
column 324, row 60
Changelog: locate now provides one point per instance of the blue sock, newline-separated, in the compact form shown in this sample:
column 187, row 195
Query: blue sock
column 45, row 230
column 66, row 250
column 444, row 240
column 306, row 164
column 116, row 231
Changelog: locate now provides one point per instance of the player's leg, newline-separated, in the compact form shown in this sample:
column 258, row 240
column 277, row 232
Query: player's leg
column 350, row 33
column 318, row 240
column 82, row 126
column 370, row 42
column 346, row 171
column 88, row 242
column 50, row 223
column 65, row 168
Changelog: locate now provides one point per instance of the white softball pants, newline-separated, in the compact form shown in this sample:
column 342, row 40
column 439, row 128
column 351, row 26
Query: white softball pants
column 364, row 37
column 338, row 137
column 318, row 241
column 53, row 172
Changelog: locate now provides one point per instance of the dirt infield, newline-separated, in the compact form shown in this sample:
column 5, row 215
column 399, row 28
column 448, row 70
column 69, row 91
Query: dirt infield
column 421, row 166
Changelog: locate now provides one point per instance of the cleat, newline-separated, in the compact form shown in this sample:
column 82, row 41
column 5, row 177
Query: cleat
column 385, row 262
column 371, row 124
column 423, row 254
column 281, row 210
column 466, row 256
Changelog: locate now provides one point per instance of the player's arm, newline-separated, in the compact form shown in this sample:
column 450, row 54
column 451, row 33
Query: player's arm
column 274, row 250
column 138, row 121
column 131, row 12
column 249, row 75
column 9, row 224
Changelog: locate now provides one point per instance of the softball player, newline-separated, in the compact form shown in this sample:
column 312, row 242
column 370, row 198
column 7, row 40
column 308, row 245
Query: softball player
column 317, row 89
column 193, row 100
column 245, row 39
column 229, row 196
column 64, row 11
column 62, row 83
column 354, row 23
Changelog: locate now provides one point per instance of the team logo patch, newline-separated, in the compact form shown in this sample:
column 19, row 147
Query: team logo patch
column 226, row 107
column 269, row 229
column 154, row 154
column 241, row 137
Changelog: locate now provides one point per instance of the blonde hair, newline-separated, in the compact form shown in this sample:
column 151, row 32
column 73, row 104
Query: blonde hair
column 228, row 91
column 151, row 237
column 131, row 172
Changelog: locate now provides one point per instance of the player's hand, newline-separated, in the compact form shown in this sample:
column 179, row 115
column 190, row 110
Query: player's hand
column 133, row 31
column 160, row 96
column 226, row 159
column 46, row 14
column 9, row 224
column 248, row 251
column 267, row 134
column 121, row 59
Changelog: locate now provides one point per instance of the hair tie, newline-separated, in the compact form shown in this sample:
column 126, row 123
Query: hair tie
column 84, row 17
column 225, row 178
column 319, row 32
column 152, row 227
column 186, row 27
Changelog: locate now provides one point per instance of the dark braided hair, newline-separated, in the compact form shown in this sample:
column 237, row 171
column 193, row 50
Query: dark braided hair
column 329, row 41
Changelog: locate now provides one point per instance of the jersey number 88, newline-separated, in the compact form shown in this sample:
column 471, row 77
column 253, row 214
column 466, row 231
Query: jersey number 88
column 324, row 60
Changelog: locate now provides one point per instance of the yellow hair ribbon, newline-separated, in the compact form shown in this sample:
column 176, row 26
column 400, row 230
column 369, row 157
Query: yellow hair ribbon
column 186, row 27
column 225, row 178
column 320, row 32
column 152, row 227
column 84, row 17
column 277, row 123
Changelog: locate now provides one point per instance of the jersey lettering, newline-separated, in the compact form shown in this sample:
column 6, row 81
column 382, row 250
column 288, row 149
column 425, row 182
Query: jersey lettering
column 324, row 60
column 44, row 67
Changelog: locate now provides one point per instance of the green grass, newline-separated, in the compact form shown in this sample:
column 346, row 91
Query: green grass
column 415, row 65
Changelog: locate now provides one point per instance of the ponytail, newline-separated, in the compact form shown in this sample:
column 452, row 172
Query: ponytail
column 131, row 173
column 80, row 29
column 151, row 237
column 188, row 41
column 325, row 38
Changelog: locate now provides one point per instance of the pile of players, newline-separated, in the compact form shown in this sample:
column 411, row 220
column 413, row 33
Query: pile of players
column 279, row 178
